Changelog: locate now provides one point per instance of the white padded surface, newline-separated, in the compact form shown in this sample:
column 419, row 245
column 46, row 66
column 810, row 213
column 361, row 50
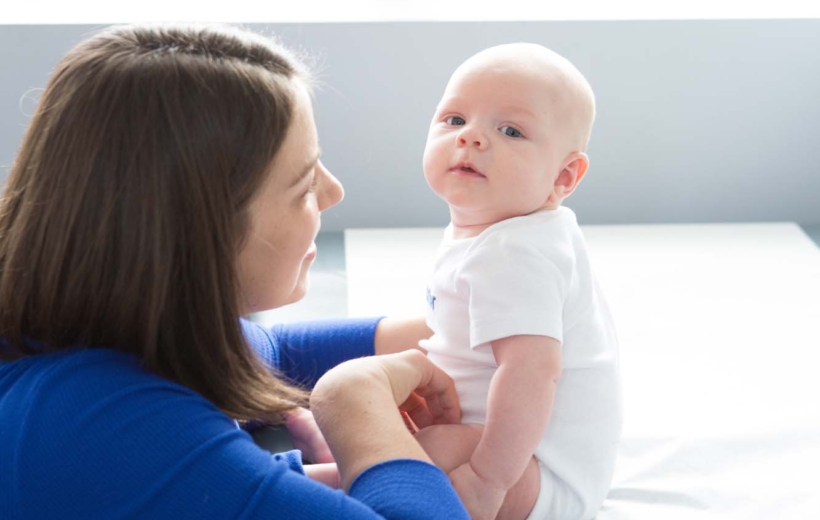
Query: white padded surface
column 719, row 331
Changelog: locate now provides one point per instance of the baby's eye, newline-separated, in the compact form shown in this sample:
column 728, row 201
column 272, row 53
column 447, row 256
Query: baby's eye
column 510, row 131
column 455, row 121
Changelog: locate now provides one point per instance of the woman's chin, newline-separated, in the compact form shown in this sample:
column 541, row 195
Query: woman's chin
column 299, row 291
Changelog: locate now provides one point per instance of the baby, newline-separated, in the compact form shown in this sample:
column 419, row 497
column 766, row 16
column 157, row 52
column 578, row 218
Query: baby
column 519, row 321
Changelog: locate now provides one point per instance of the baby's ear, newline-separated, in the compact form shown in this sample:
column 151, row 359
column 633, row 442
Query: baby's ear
column 575, row 167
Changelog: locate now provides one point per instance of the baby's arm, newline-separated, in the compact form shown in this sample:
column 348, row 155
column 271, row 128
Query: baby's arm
column 518, row 409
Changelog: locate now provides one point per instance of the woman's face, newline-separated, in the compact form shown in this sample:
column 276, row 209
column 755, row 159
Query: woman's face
column 285, row 217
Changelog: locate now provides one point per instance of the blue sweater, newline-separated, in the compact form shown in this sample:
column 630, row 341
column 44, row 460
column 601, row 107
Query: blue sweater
column 89, row 434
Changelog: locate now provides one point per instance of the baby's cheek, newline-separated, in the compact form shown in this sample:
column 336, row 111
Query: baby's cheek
column 431, row 168
column 429, row 159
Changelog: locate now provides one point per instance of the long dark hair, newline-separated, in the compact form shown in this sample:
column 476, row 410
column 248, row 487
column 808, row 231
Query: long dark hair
column 127, row 205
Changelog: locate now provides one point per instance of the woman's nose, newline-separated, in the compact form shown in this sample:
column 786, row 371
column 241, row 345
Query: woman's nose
column 332, row 191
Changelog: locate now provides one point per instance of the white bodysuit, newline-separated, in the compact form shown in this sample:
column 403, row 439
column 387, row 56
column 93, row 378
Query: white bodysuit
column 531, row 275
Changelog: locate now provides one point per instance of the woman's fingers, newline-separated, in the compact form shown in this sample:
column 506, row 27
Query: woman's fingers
column 362, row 395
column 415, row 407
column 411, row 372
column 411, row 426
column 442, row 404
column 403, row 374
column 355, row 405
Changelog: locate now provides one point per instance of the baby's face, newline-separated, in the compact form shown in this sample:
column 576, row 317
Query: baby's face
column 494, row 147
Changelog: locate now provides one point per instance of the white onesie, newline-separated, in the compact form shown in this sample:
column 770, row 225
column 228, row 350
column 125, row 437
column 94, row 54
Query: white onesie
column 531, row 275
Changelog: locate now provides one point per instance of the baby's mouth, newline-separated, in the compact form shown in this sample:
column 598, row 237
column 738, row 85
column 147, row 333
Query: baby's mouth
column 468, row 168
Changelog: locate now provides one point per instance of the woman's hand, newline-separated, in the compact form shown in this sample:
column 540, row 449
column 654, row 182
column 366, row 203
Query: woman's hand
column 415, row 379
column 356, row 407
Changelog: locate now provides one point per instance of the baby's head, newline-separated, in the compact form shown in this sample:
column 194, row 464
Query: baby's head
column 509, row 134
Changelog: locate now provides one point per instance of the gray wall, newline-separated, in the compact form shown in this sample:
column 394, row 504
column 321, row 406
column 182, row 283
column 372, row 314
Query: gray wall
column 698, row 121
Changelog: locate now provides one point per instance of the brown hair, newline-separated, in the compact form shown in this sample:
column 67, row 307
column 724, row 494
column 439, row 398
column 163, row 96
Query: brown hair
column 128, row 202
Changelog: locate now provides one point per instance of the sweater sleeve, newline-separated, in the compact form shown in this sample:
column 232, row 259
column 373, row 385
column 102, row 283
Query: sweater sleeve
column 304, row 351
column 101, row 438
column 408, row 488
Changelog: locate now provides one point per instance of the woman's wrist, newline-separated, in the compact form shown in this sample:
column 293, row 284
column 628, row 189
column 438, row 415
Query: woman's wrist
column 400, row 334
column 354, row 406
column 326, row 473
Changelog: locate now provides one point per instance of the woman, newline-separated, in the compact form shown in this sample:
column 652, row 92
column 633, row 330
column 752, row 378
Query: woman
column 169, row 183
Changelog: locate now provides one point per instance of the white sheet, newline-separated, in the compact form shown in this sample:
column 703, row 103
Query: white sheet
column 719, row 329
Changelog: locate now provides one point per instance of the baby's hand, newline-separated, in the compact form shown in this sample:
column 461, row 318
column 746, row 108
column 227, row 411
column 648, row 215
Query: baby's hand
column 481, row 498
column 307, row 437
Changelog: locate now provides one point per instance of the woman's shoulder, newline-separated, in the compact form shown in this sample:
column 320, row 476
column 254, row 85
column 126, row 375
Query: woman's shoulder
column 94, row 429
column 88, row 393
column 87, row 372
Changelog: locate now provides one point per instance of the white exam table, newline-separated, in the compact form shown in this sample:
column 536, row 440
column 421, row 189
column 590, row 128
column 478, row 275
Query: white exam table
column 719, row 332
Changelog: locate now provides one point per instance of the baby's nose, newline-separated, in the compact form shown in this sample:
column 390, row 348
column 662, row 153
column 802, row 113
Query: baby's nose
column 472, row 138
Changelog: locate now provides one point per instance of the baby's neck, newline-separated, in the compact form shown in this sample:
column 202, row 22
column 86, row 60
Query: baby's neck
column 469, row 231
column 467, row 225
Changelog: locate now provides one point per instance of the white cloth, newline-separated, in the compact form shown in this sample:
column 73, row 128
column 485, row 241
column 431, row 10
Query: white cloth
column 531, row 275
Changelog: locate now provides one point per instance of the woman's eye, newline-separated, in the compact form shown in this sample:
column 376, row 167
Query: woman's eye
column 510, row 131
column 455, row 121
column 313, row 183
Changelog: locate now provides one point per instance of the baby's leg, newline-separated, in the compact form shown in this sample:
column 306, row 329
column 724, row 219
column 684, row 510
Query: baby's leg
column 450, row 446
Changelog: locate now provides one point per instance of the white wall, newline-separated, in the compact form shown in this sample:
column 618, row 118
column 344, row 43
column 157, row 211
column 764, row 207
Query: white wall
column 698, row 121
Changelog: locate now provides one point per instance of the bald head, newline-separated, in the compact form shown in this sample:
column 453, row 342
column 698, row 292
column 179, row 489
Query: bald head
column 569, row 94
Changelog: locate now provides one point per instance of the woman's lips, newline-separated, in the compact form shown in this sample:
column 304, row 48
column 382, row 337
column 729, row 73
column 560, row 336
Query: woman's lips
column 311, row 254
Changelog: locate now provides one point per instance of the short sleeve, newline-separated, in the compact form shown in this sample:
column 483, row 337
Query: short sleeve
column 514, row 289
